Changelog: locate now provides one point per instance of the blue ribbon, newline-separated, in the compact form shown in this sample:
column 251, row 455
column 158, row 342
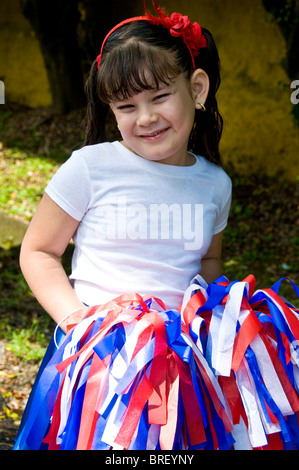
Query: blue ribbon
column 71, row 432
column 277, row 285
column 265, row 396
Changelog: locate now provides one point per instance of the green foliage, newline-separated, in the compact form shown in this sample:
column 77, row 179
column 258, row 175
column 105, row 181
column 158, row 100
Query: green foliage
column 27, row 344
column 295, row 114
column 10, row 277
column 23, row 178
column 284, row 15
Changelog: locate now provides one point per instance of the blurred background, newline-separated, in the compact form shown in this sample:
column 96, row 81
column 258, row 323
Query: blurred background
column 46, row 49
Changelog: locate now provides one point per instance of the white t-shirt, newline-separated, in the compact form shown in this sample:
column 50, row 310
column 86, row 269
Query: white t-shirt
column 144, row 226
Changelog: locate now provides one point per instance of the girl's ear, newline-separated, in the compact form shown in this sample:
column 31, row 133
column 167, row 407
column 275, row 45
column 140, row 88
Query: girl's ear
column 200, row 84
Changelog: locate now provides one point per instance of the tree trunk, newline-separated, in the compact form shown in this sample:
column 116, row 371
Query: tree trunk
column 286, row 15
column 55, row 23
column 101, row 16
column 293, row 46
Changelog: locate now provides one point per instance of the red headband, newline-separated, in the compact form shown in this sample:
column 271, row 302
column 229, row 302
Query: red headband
column 178, row 26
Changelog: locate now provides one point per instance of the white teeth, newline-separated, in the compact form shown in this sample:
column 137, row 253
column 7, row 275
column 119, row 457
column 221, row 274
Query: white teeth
column 155, row 134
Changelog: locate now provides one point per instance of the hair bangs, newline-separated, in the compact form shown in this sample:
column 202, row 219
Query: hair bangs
column 133, row 68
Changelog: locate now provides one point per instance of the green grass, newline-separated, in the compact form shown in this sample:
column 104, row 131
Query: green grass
column 27, row 344
column 23, row 178
column 24, row 328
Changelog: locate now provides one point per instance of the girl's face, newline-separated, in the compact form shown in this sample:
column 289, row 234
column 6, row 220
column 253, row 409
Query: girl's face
column 156, row 124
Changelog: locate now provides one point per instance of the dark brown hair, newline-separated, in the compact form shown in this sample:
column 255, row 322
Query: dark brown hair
column 139, row 47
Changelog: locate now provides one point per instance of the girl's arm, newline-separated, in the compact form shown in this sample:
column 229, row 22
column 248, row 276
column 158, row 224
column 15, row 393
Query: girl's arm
column 211, row 262
column 45, row 241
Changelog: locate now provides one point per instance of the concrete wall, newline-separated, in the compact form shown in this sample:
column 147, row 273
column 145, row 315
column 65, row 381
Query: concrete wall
column 22, row 67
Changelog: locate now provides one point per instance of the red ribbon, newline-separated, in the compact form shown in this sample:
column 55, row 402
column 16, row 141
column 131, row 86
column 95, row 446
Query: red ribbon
column 157, row 409
column 281, row 373
column 89, row 415
column 192, row 409
column 167, row 431
column 50, row 439
column 231, row 391
column 249, row 329
column 133, row 412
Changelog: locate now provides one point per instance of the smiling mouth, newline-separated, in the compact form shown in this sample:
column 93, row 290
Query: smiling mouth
column 154, row 135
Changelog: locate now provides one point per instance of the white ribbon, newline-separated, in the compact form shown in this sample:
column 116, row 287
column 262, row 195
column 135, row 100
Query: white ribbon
column 227, row 332
column 249, row 396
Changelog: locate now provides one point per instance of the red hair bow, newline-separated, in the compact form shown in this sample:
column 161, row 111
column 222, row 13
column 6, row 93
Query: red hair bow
column 178, row 26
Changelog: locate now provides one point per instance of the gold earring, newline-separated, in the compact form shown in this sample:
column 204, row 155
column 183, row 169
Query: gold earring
column 202, row 107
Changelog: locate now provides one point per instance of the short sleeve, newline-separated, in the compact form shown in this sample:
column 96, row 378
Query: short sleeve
column 70, row 187
column 222, row 217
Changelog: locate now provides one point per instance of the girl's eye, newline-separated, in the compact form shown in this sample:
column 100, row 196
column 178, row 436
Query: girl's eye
column 162, row 96
column 125, row 107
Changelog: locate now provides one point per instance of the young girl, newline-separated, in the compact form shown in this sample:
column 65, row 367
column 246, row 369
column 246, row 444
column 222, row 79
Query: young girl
column 155, row 356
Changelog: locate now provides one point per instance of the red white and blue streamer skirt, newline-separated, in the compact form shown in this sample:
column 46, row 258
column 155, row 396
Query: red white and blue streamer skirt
column 220, row 372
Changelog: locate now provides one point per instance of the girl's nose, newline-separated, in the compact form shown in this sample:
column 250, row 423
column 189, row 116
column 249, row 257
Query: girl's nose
column 146, row 116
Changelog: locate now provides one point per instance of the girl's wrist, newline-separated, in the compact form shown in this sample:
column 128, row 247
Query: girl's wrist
column 72, row 317
column 70, row 320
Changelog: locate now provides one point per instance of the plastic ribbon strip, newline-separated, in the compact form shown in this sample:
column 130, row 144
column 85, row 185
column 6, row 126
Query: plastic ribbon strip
column 221, row 372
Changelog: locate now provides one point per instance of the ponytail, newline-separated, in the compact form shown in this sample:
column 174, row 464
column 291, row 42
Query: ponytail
column 96, row 110
column 208, row 125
